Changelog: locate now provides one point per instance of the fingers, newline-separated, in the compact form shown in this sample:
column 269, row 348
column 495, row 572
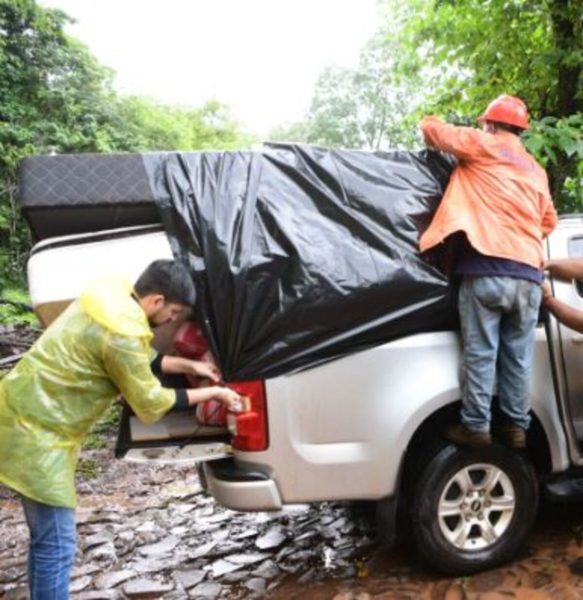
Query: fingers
column 233, row 401
column 207, row 370
column 546, row 291
column 216, row 373
column 213, row 373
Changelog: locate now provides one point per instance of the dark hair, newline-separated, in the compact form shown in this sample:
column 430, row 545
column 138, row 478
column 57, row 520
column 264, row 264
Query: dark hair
column 169, row 278
column 507, row 127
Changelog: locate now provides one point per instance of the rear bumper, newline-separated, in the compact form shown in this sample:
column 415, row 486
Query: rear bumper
column 238, row 487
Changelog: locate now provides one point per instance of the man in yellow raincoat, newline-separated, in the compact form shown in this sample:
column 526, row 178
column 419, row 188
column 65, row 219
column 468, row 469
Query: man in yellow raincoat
column 98, row 348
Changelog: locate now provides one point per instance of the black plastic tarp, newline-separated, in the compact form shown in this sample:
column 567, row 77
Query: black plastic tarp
column 302, row 254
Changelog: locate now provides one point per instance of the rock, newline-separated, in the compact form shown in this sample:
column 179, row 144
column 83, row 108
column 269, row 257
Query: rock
column 18, row 593
column 248, row 558
column 222, row 567
column 146, row 538
column 283, row 553
column 257, row 585
column 301, row 555
column 226, row 548
column 146, row 588
column 103, row 537
column 97, row 595
column 306, row 537
column 245, row 534
column 206, row 591
column 126, row 536
column 102, row 517
column 80, row 583
column 272, row 539
column 110, row 580
column 148, row 526
column 12, row 574
column 236, row 577
column 220, row 517
column 268, row 570
column 202, row 550
column 267, row 517
column 289, row 568
column 103, row 554
column 154, row 565
column 190, row 578
column 219, row 535
column 11, row 561
column 161, row 548
column 328, row 532
column 184, row 508
column 86, row 569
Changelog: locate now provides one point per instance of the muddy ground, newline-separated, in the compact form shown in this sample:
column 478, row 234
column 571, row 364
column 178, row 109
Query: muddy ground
column 149, row 531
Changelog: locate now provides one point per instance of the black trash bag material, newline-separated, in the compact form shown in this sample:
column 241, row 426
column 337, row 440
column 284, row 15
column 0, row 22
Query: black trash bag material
column 302, row 254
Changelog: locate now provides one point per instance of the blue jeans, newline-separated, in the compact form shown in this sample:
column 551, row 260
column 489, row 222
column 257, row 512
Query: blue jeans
column 498, row 318
column 52, row 549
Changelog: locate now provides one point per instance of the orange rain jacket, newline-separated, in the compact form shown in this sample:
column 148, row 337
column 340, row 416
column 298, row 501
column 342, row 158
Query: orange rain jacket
column 498, row 194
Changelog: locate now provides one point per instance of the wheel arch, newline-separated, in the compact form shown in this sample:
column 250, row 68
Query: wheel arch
column 427, row 439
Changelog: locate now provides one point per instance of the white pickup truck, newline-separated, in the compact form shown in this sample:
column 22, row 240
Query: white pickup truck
column 366, row 426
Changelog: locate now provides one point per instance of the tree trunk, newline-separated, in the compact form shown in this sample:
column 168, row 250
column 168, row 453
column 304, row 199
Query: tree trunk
column 568, row 37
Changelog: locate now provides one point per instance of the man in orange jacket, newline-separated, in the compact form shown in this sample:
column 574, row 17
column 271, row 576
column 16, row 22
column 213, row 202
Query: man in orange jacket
column 498, row 203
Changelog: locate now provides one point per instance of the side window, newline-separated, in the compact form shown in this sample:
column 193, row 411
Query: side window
column 576, row 251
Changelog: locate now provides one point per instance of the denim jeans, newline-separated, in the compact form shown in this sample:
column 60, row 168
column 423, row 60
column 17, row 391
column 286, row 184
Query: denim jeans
column 52, row 549
column 498, row 318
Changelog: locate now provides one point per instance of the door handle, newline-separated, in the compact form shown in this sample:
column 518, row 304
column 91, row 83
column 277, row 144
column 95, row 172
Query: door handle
column 577, row 339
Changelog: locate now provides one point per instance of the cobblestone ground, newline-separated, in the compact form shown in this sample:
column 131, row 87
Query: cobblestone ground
column 150, row 532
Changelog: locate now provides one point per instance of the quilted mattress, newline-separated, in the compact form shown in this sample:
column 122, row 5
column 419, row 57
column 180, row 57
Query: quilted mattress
column 81, row 193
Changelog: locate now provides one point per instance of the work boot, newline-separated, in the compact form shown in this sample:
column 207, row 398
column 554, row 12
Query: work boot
column 464, row 436
column 513, row 436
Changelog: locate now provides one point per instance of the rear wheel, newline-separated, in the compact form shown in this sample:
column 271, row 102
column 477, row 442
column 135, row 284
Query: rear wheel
column 472, row 509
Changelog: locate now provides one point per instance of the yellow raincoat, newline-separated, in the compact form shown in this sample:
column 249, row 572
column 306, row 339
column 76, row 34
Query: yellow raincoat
column 98, row 348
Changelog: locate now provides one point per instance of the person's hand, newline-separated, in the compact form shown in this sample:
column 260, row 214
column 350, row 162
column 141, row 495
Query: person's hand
column 230, row 399
column 547, row 291
column 207, row 370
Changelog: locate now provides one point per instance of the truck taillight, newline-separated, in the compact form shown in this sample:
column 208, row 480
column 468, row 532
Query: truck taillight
column 249, row 429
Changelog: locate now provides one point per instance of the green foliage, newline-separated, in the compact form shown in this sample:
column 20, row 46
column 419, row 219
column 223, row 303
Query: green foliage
column 106, row 426
column 333, row 117
column 56, row 97
column 366, row 107
column 290, row 132
column 140, row 124
column 88, row 468
column 470, row 51
column 550, row 135
column 15, row 307
column 551, row 140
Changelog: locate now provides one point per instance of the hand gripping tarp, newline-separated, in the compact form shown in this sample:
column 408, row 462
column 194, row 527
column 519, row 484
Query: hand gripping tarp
column 302, row 254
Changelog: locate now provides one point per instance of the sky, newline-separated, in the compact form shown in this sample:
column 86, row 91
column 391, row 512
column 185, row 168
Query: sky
column 261, row 57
